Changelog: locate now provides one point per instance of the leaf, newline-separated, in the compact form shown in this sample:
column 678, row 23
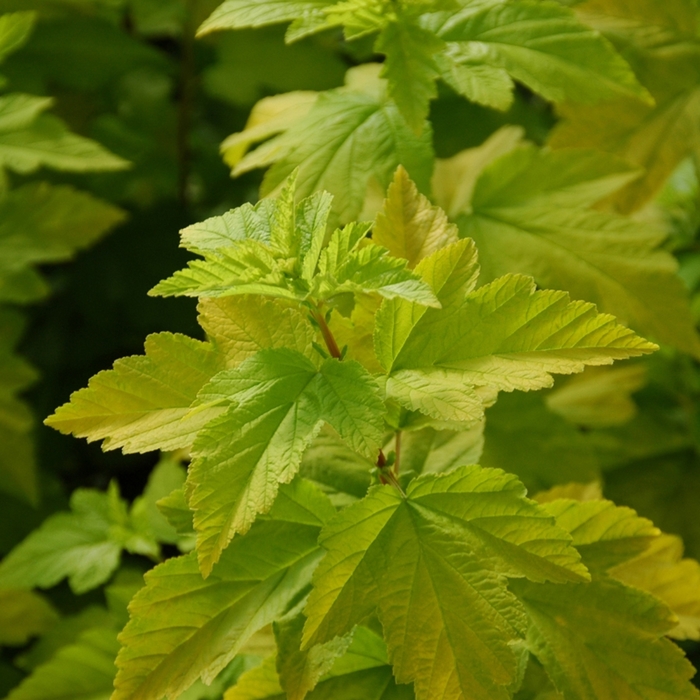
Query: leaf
column 363, row 671
column 410, row 67
column 661, row 42
column 417, row 559
column 143, row 403
column 15, row 29
column 603, row 637
column 82, row 671
column 239, row 224
column 278, row 402
column 270, row 116
column 184, row 627
column 240, row 326
column 40, row 223
column 23, row 615
column 18, row 111
column 523, row 437
column 409, row 226
column 505, row 335
column 451, row 272
column 48, row 142
column 349, row 136
column 530, row 214
column 239, row 14
column 483, row 84
column 78, row 545
column 544, row 46
column 661, row 571
column 604, row 534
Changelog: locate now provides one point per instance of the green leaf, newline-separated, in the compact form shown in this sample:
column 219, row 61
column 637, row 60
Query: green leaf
column 278, row 402
column 18, row 111
column 661, row 42
column 350, row 137
column 446, row 546
column 15, row 29
column 143, row 403
column 603, row 637
column 544, row 46
column 40, row 223
column 452, row 273
column 530, row 213
column 409, row 226
column 661, row 571
column 83, row 545
column 410, row 68
column 47, row 141
column 270, row 116
column 240, row 326
column 82, row 671
column 23, row 615
column 505, row 335
column 485, row 85
column 239, row 14
column 184, row 627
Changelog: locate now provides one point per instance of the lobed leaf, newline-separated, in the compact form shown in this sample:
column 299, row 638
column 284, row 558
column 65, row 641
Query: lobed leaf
column 143, row 403
column 184, row 627
column 544, row 46
column 604, row 637
column 278, row 402
column 530, row 213
column 661, row 571
column 445, row 546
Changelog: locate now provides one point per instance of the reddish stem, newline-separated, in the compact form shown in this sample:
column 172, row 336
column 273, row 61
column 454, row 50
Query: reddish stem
column 327, row 334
